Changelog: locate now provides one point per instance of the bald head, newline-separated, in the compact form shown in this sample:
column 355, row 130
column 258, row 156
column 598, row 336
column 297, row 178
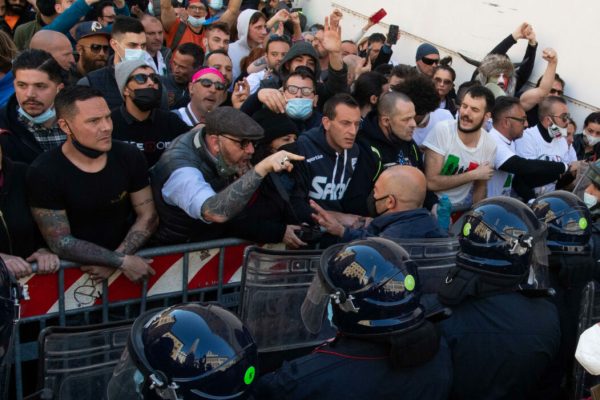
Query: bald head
column 57, row 44
column 407, row 185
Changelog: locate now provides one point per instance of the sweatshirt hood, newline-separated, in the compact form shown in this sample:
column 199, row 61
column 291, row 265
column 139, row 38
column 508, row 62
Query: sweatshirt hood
column 243, row 23
column 300, row 49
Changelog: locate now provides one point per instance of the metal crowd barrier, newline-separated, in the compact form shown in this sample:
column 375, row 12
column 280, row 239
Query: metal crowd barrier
column 225, row 293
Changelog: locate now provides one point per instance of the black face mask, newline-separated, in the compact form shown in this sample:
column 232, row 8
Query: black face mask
column 371, row 206
column 86, row 151
column 146, row 99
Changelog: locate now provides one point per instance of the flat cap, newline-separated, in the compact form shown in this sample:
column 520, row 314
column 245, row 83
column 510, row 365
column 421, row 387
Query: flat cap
column 230, row 121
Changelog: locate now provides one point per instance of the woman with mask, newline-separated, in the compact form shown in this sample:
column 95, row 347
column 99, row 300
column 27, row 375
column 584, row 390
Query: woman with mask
column 586, row 144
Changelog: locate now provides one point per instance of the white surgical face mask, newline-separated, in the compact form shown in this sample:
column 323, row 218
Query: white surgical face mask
column 557, row 131
column 133, row 54
column 591, row 140
column 216, row 4
column 588, row 350
column 195, row 22
column 590, row 200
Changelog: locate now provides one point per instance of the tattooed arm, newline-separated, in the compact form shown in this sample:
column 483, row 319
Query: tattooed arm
column 229, row 202
column 145, row 224
column 56, row 230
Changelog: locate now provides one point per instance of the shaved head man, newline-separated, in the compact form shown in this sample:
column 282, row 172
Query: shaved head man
column 57, row 44
column 396, row 203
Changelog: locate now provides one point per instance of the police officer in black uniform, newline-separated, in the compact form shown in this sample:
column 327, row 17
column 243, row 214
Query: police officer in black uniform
column 187, row 351
column 503, row 333
column 572, row 266
column 385, row 347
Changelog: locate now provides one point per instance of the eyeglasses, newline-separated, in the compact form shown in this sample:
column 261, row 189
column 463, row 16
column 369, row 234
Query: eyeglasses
column 557, row 92
column 445, row 82
column 563, row 117
column 521, row 120
column 205, row 82
column 306, row 91
column 97, row 48
column 430, row 61
column 143, row 78
column 196, row 8
column 244, row 143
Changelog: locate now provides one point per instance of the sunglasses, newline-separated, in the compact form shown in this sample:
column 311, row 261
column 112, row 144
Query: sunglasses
column 143, row 78
column 557, row 92
column 563, row 117
column 243, row 143
column 520, row 120
column 430, row 61
column 205, row 82
column 306, row 91
column 445, row 82
column 97, row 48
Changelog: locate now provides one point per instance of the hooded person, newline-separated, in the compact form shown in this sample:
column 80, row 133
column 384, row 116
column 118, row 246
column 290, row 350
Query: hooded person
column 301, row 54
column 251, row 32
column 498, row 69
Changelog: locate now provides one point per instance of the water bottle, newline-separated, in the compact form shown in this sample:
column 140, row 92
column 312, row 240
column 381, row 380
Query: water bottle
column 443, row 212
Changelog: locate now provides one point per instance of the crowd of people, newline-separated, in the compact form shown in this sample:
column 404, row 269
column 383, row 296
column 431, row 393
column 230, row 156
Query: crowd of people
column 131, row 123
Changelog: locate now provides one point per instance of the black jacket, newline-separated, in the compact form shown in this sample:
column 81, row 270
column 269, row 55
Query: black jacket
column 19, row 234
column 397, row 152
column 579, row 146
column 19, row 144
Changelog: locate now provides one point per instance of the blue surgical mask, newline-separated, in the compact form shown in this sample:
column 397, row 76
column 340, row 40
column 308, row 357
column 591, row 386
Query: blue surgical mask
column 299, row 108
column 134, row 54
column 195, row 22
column 216, row 4
column 39, row 119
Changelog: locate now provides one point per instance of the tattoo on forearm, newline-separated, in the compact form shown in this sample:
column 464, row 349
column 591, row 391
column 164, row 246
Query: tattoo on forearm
column 260, row 61
column 54, row 226
column 133, row 241
column 144, row 202
column 229, row 202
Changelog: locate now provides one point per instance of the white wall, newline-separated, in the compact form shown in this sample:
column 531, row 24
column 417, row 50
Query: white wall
column 475, row 27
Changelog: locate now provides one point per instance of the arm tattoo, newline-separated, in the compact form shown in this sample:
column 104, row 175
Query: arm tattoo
column 54, row 226
column 260, row 61
column 147, row 201
column 230, row 201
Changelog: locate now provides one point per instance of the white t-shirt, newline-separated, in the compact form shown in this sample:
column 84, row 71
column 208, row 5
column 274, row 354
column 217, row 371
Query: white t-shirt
column 533, row 146
column 459, row 158
column 501, row 182
column 436, row 116
column 254, row 80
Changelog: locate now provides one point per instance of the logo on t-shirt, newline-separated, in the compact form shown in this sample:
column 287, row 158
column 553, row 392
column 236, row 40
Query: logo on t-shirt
column 452, row 166
column 327, row 191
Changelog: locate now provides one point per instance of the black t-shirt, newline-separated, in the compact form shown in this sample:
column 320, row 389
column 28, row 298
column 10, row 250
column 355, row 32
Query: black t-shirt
column 97, row 204
column 152, row 136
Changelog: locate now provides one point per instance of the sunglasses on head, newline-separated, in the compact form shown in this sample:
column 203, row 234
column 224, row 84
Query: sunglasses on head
column 143, row 78
column 97, row 48
column 205, row 82
column 430, row 61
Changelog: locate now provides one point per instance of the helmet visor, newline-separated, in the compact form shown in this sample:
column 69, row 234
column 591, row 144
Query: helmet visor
column 126, row 381
column 538, row 277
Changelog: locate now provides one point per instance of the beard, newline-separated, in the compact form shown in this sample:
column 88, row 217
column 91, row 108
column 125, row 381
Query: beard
column 91, row 64
column 15, row 9
column 475, row 128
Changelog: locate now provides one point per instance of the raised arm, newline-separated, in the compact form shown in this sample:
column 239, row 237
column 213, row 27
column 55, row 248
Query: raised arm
column 231, row 201
column 145, row 223
column 534, row 96
column 230, row 15
column 167, row 14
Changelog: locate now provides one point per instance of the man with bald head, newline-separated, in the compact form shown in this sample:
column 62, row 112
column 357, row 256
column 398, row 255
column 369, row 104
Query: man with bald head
column 397, row 199
column 57, row 44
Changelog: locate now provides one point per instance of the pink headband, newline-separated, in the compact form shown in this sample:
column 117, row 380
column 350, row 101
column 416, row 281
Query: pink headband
column 205, row 71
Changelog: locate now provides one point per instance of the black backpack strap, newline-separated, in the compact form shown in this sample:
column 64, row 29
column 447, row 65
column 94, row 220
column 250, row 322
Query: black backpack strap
column 178, row 35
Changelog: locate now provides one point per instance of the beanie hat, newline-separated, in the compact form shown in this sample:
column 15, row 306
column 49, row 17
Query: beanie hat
column 275, row 125
column 123, row 71
column 426, row 49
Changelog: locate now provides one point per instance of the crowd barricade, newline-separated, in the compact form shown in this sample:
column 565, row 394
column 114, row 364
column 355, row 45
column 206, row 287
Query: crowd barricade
column 205, row 271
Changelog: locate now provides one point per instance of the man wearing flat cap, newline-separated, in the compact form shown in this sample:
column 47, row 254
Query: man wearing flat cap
column 205, row 178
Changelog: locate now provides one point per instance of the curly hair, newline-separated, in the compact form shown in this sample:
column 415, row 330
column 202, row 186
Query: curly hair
column 421, row 90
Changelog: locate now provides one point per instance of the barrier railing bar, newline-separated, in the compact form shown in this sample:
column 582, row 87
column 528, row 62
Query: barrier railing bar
column 184, row 276
column 221, row 269
column 144, row 296
column 105, row 301
column 61, row 296
column 17, row 363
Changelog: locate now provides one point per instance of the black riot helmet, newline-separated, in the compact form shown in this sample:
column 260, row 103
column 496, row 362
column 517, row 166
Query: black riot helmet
column 498, row 237
column 373, row 287
column 502, row 248
column 187, row 351
column 569, row 222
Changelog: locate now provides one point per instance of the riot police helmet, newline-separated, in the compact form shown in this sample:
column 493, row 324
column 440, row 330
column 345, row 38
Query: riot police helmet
column 373, row 288
column 568, row 220
column 187, row 351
